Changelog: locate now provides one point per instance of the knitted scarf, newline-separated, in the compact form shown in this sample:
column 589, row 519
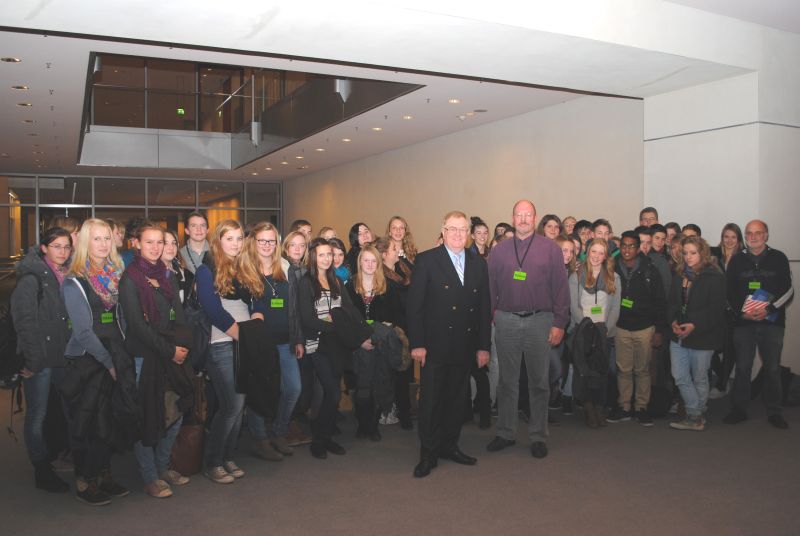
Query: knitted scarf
column 140, row 270
column 105, row 282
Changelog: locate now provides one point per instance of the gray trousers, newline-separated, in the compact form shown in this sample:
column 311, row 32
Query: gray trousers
column 516, row 338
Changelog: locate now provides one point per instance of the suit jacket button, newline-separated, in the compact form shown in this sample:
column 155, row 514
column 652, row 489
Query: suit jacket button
column 449, row 327
column 469, row 330
column 454, row 308
column 471, row 309
column 447, row 286
column 474, row 290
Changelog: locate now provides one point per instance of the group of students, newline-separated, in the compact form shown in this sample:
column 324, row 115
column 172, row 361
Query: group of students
column 106, row 327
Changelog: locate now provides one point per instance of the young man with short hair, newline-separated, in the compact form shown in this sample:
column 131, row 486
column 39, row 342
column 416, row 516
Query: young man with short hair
column 193, row 252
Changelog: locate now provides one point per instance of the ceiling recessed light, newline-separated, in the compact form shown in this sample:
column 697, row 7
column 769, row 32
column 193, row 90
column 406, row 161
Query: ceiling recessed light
column 377, row 129
column 454, row 101
column 320, row 150
column 21, row 88
column 28, row 121
column 299, row 157
column 254, row 173
column 470, row 114
column 10, row 60
column 303, row 167
column 285, row 163
column 346, row 140
column 32, row 134
column 480, row 111
column 267, row 169
column 408, row 117
column 25, row 104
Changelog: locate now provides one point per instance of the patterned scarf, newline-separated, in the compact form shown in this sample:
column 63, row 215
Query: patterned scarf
column 105, row 282
column 140, row 270
column 59, row 271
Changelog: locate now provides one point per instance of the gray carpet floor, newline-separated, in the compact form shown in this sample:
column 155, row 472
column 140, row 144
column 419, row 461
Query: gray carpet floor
column 625, row 479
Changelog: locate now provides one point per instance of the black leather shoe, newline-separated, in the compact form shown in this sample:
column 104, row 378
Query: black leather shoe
column 778, row 421
column 318, row 450
column 485, row 420
column 499, row 443
column 457, row 456
column 375, row 435
column 424, row 467
column 333, row 447
column 538, row 449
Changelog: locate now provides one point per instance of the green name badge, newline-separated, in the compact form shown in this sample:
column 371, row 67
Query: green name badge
column 69, row 324
column 107, row 318
column 276, row 303
column 597, row 310
column 627, row 303
column 519, row 275
column 172, row 315
column 370, row 322
column 754, row 285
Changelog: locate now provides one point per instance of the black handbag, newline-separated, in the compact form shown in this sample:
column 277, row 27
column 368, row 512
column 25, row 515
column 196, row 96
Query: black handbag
column 200, row 325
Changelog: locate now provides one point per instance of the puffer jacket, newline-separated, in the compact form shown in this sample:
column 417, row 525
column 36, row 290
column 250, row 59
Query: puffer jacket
column 39, row 314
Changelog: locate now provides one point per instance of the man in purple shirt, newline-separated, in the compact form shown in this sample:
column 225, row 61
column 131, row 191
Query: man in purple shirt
column 530, row 300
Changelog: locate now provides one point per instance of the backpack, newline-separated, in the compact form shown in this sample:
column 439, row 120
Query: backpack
column 12, row 361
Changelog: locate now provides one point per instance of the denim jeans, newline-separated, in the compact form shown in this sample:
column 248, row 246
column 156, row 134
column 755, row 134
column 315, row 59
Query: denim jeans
column 768, row 339
column 37, row 394
column 290, row 392
column 227, row 421
column 153, row 461
column 690, row 370
column 555, row 367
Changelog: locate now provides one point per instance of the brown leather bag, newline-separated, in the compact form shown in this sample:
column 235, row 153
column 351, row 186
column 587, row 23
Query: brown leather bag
column 187, row 452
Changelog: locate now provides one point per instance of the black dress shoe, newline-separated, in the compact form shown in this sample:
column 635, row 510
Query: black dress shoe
column 318, row 450
column 499, row 443
column 424, row 467
column 375, row 435
column 333, row 447
column 457, row 456
column 538, row 449
column 778, row 421
column 485, row 420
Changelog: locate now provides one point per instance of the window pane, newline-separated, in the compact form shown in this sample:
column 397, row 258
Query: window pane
column 46, row 214
column 112, row 191
column 176, row 76
column 60, row 190
column 17, row 190
column 256, row 216
column 215, row 216
column 118, row 107
column 171, row 193
column 263, row 194
column 221, row 194
column 17, row 232
column 174, row 111
column 171, row 219
column 122, row 71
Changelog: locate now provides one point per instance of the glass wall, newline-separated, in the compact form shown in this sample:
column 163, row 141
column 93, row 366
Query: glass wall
column 28, row 203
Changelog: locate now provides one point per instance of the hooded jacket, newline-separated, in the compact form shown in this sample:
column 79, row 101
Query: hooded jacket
column 39, row 314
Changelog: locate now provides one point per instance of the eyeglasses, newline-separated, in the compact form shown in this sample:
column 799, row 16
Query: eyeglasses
column 265, row 242
column 456, row 230
column 60, row 248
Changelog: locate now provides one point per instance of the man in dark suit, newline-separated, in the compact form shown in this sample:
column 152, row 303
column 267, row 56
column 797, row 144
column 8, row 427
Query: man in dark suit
column 449, row 326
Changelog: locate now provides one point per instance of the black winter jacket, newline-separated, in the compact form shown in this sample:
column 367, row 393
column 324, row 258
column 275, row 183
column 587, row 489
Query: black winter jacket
column 705, row 309
column 643, row 303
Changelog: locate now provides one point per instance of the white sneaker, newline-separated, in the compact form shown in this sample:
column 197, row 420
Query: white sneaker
column 234, row 470
column 219, row 475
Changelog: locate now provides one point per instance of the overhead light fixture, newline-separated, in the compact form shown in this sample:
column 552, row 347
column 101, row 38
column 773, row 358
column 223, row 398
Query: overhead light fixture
column 320, row 150
column 284, row 163
column 343, row 88
column 408, row 117
column 346, row 140
column 299, row 157
column 20, row 88
column 454, row 101
column 377, row 129
column 25, row 104
column 267, row 169
column 9, row 59
column 254, row 173
column 480, row 111
column 32, row 134
column 28, row 121
column 461, row 117
column 303, row 167
column 470, row 114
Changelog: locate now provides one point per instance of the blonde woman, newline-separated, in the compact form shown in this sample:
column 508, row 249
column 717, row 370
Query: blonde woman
column 95, row 351
column 398, row 231
column 220, row 297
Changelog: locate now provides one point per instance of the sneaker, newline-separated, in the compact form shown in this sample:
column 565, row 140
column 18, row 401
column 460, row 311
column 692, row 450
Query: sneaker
column 174, row 478
column 88, row 492
column 689, row 423
column 388, row 419
column 618, row 415
column 219, row 475
column 715, row 394
column 263, row 449
column 63, row 463
column 778, row 421
column 234, row 470
column 566, row 405
column 644, row 418
column 107, row 485
column 281, row 444
column 735, row 416
column 296, row 436
column 538, row 449
column 158, row 489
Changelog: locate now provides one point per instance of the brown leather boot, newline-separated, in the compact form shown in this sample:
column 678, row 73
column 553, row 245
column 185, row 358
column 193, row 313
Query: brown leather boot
column 599, row 416
column 590, row 414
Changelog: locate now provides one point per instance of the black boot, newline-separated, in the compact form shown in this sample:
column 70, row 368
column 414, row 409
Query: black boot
column 363, row 415
column 374, row 431
column 46, row 478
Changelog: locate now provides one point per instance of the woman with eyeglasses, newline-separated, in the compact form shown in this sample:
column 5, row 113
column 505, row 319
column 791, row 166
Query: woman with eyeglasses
column 40, row 320
column 271, row 297
column 221, row 298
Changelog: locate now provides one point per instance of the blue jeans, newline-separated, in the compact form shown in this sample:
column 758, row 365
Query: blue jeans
column 37, row 394
column 227, row 421
column 690, row 370
column 290, row 392
column 153, row 461
column 769, row 341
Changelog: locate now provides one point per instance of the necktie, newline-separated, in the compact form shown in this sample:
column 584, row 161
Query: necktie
column 460, row 268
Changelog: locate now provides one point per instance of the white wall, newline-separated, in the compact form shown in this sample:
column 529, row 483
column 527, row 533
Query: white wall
column 583, row 158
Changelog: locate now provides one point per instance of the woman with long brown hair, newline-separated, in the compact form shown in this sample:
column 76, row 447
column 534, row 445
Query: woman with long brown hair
column 220, row 296
column 594, row 294
column 399, row 232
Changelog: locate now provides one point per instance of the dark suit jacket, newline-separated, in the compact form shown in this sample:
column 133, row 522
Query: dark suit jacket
column 450, row 320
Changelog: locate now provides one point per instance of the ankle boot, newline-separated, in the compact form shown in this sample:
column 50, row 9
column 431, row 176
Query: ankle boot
column 363, row 416
column 590, row 414
column 46, row 479
column 374, row 429
column 599, row 416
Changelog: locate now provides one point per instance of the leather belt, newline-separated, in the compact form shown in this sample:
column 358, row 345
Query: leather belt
column 526, row 314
